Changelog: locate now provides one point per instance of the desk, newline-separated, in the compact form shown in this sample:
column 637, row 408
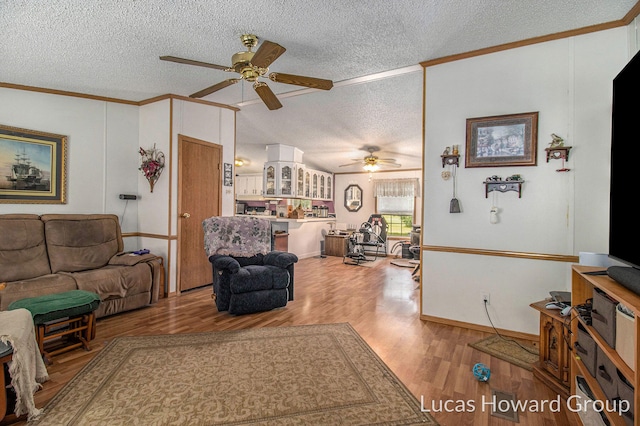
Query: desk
column 336, row 245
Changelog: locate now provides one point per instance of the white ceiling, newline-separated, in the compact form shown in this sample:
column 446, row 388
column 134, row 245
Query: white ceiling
column 369, row 48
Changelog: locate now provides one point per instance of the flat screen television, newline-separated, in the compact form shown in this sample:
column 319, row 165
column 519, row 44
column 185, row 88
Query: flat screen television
column 624, row 219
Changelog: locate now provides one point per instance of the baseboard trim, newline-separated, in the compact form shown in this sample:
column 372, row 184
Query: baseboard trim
column 504, row 253
column 509, row 333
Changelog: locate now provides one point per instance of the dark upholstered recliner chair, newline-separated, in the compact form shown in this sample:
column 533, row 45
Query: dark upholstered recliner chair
column 247, row 276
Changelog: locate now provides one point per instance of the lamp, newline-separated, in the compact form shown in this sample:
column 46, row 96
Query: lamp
column 239, row 162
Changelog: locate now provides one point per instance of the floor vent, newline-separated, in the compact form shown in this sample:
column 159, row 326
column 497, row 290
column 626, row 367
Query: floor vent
column 504, row 405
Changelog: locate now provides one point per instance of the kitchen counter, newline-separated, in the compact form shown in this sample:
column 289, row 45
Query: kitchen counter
column 305, row 235
column 286, row 219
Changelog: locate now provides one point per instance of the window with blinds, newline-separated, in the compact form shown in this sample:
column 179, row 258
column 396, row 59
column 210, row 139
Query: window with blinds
column 395, row 201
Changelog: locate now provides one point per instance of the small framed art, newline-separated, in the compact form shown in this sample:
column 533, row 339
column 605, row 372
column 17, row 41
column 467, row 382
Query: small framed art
column 228, row 174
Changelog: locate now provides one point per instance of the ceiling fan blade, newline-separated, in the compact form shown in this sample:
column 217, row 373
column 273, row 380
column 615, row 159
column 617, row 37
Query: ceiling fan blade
column 267, row 96
column 300, row 80
column 357, row 163
column 192, row 62
column 266, row 54
column 209, row 90
column 385, row 164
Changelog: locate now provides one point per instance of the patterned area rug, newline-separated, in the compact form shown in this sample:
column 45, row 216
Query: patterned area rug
column 314, row 375
column 508, row 350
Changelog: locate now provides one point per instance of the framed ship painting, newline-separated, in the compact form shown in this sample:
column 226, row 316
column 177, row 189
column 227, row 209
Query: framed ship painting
column 32, row 166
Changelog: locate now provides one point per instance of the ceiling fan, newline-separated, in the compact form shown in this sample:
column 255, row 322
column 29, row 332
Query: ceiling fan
column 253, row 65
column 371, row 162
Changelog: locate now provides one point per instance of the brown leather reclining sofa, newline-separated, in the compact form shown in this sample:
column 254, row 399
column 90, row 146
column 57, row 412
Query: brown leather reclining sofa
column 54, row 253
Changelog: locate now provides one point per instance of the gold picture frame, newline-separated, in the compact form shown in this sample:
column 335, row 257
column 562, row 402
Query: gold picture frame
column 33, row 166
column 504, row 140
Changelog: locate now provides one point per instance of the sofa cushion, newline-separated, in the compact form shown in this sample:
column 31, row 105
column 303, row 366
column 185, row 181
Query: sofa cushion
column 258, row 277
column 23, row 252
column 46, row 284
column 81, row 242
column 114, row 281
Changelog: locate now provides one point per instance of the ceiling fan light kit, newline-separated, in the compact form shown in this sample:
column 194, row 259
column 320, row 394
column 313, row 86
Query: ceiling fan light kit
column 253, row 65
column 372, row 163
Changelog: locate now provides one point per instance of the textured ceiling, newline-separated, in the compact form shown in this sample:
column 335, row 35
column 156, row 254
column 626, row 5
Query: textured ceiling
column 111, row 48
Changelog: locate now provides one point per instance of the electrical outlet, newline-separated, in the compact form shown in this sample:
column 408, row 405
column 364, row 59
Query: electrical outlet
column 486, row 298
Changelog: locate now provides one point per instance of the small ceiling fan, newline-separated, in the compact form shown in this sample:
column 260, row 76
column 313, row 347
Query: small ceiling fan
column 253, row 65
column 371, row 162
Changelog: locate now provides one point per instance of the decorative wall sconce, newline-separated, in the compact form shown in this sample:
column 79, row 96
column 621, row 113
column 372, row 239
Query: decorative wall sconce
column 151, row 164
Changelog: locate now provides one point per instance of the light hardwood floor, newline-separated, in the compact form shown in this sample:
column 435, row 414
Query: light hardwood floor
column 381, row 303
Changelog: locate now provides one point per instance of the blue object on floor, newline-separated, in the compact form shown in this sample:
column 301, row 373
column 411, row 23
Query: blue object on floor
column 481, row 372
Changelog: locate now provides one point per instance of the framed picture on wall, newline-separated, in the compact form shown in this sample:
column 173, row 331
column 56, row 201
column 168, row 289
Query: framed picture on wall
column 228, row 174
column 505, row 140
column 32, row 166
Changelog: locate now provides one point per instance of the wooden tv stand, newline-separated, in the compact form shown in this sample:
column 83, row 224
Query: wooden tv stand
column 582, row 286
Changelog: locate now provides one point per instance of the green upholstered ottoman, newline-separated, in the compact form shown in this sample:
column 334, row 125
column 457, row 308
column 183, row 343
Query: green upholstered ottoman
column 62, row 314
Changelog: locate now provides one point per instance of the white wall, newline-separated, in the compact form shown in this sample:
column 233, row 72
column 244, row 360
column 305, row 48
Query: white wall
column 153, row 207
column 568, row 82
column 161, row 123
column 103, row 158
column 102, row 142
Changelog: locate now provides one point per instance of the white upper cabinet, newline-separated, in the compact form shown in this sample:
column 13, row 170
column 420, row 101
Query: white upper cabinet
column 248, row 186
column 280, row 179
column 285, row 176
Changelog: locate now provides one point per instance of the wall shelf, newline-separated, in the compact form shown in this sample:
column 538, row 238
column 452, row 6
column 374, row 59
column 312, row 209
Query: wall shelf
column 450, row 160
column 503, row 186
column 558, row 153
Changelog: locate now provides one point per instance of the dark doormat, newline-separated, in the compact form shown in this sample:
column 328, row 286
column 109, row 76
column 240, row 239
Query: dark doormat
column 504, row 405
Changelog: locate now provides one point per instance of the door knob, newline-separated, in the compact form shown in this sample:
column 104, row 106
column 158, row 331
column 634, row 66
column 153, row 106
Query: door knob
column 186, row 215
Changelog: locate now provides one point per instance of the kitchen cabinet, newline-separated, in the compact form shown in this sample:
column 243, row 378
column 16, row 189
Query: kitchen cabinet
column 300, row 181
column 321, row 185
column 248, row 186
column 280, row 179
column 294, row 180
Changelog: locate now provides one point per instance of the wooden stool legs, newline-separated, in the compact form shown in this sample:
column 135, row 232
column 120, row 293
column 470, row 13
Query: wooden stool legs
column 81, row 328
